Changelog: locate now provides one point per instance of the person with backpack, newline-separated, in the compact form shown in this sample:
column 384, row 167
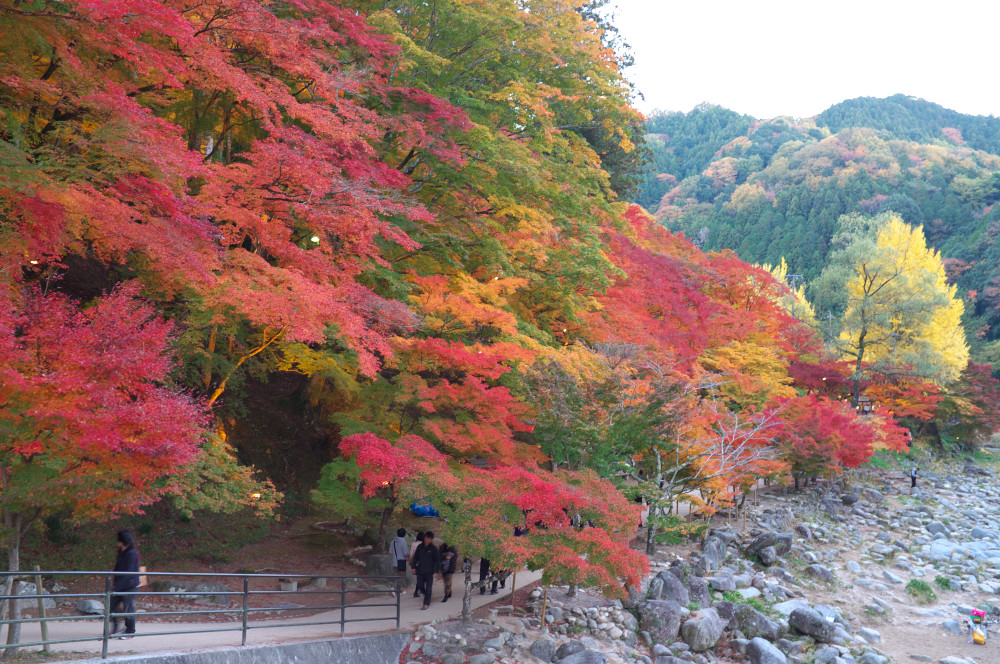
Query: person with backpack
column 122, row 599
column 399, row 550
column 426, row 565
column 449, row 565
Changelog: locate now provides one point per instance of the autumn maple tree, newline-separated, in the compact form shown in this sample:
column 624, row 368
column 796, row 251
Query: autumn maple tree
column 86, row 424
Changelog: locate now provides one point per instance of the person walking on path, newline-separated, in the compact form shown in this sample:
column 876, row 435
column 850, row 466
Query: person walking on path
column 426, row 565
column 913, row 478
column 449, row 564
column 484, row 571
column 413, row 549
column 399, row 550
column 127, row 561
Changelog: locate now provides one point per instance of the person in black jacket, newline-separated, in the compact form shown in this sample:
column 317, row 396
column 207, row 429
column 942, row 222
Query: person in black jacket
column 127, row 561
column 426, row 565
column 484, row 571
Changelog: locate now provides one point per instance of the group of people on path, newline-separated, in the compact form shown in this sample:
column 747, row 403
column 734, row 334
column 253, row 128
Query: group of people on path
column 428, row 562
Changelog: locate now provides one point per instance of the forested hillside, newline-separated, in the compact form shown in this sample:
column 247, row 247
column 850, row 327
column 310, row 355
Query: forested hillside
column 914, row 119
column 778, row 189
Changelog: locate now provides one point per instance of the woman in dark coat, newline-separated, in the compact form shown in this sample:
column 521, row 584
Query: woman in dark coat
column 127, row 561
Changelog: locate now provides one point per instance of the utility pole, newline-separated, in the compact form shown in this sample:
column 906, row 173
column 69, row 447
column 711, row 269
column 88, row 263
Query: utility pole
column 793, row 278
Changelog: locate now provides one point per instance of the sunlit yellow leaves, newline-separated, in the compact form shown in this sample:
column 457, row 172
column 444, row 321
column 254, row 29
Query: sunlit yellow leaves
column 753, row 372
column 794, row 301
column 901, row 309
column 463, row 304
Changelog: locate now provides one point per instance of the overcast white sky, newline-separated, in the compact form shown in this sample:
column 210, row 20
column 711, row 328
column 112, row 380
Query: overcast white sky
column 778, row 57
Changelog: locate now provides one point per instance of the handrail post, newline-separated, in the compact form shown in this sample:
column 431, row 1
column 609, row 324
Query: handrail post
column 343, row 602
column 399, row 591
column 42, row 618
column 107, row 616
column 246, row 602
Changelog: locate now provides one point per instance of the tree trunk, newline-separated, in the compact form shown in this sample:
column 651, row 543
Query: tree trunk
column 467, row 595
column 221, row 387
column 569, row 593
column 383, row 525
column 650, row 532
column 206, row 372
column 13, row 523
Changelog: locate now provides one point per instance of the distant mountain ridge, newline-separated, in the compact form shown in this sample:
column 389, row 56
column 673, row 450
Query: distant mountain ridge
column 913, row 119
column 773, row 189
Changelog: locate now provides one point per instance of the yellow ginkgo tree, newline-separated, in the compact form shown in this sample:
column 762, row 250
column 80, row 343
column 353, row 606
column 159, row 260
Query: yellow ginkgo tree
column 900, row 316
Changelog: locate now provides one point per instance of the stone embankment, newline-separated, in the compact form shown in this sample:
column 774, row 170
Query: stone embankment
column 860, row 573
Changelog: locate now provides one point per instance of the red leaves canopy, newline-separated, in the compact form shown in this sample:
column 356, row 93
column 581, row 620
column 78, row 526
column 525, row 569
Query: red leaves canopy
column 274, row 218
column 87, row 423
column 820, row 435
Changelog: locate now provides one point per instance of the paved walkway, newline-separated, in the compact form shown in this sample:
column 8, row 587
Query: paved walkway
column 161, row 637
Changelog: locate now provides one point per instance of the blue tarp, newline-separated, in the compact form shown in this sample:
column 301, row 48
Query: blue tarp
column 423, row 510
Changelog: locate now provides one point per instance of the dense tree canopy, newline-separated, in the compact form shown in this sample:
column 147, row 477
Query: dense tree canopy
column 415, row 214
column 899, row 313
column 776, row 191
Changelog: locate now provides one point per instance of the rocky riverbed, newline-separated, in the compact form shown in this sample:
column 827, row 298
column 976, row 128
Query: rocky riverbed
column 856, row 573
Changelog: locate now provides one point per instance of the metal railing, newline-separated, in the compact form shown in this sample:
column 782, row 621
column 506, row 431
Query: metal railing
column 243, row 597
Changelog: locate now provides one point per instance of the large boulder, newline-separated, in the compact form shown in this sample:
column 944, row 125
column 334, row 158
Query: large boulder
column 90, row 606
column 713, row 550
column 726, row 535
column 821, row 572
column 811, row 623
column 668, row 586
column 782, row 543
column 937, row 528
column 661, row 618
column 636, row 594
column 569, row 648
column 681, row 569
column 25, row 588
column 753, row 623
column 786, row 608
column 699, row 592
column 761, row 651
column 872, row 658
column 383, row 564
column 585, row 657
column 703, row 629
column 380, row 564
column 869, row 635
column 722, row 583
column 767, row 556
column 826, row 655
column 726, row 611
column 544, row 649
column 873, row 495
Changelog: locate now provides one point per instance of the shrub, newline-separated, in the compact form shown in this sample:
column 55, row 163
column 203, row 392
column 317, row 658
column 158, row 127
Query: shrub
column 754, row 602
column 921, row 591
